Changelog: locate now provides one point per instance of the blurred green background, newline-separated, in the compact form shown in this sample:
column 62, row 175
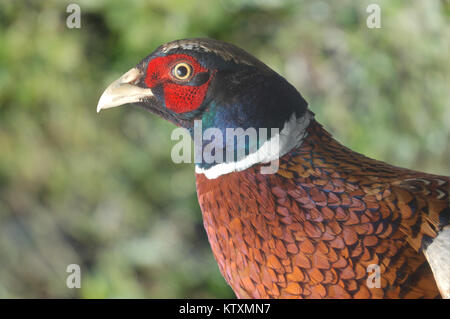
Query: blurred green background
column 101, row 190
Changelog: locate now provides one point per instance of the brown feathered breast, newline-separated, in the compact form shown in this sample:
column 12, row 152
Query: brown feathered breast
column 312, row 229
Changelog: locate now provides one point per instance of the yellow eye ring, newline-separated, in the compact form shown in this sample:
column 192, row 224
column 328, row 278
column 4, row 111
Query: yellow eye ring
column 182, row 71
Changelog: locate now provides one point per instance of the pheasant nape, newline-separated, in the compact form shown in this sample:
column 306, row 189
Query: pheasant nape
column 329, row 222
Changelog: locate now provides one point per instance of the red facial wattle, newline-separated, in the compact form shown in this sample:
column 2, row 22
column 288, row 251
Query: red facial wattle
column 178, row 97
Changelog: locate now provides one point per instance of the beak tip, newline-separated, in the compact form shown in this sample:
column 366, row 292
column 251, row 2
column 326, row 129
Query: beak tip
column 104, row 101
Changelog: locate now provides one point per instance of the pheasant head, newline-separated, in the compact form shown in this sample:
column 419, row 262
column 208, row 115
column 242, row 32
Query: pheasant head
column 223, row 88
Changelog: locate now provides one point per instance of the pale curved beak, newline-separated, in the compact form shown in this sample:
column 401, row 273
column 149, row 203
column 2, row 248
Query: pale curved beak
column 124, row 91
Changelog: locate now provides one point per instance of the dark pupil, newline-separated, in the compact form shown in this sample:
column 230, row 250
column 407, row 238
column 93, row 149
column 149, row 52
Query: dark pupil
column 182, row 71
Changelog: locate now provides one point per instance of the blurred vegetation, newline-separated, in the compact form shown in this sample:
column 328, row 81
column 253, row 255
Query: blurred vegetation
column 101, row 191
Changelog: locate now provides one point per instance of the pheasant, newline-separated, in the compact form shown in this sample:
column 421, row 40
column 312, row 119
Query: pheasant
column 323, row 221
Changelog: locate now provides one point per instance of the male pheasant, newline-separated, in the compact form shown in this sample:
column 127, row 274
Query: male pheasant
column 326, row 221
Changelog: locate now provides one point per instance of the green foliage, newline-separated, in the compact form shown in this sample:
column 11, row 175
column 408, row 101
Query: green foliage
column 101, row 190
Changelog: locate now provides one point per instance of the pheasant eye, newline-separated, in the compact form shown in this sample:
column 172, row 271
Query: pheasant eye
column 182, row 71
